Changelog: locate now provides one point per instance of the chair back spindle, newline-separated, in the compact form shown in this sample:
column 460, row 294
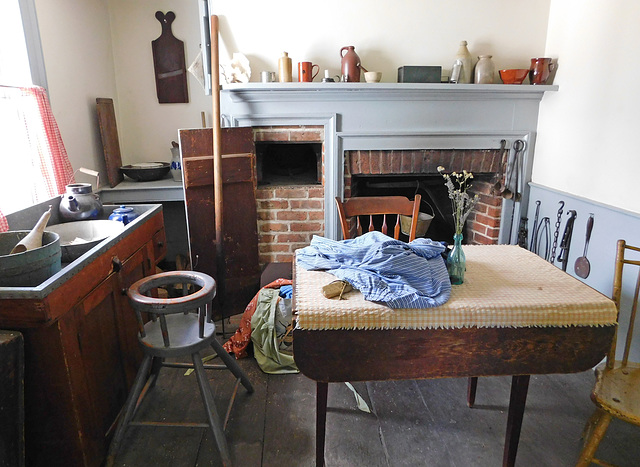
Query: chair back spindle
column 379, row 205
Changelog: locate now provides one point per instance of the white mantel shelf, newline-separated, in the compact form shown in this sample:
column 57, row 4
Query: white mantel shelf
column 394, row 116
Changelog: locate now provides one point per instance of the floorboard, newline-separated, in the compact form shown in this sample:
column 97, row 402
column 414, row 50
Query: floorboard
column 412, row 423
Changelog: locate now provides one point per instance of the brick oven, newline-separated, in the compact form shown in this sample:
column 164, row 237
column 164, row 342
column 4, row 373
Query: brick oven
column 377, row 138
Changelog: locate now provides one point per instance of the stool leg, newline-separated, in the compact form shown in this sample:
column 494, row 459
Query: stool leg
column 232, row 365
column 212, row 412
column 129, row 409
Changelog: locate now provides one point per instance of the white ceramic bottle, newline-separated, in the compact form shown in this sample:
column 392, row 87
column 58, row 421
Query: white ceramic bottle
column 466, row 73
column 485, row 70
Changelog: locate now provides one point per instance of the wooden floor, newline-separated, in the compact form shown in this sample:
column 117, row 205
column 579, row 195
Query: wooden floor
column 412, row 423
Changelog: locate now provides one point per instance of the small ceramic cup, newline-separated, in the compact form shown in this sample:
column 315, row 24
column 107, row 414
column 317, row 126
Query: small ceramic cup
column 372, row 76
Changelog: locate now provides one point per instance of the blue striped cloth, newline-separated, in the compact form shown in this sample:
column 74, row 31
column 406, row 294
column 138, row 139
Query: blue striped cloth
column 398, row 274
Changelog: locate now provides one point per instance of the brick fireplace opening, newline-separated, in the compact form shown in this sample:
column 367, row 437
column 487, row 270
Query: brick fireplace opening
column 406, row 173
column 290, row 202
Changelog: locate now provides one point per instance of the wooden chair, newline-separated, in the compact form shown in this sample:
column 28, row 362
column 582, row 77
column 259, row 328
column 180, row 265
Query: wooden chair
column 378, row 205
column 177, row 327
column 386, row 205
column 617, row 389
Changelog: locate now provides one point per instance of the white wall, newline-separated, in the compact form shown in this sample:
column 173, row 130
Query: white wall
column 79, row 44
column 586, row 134
column 76, row 42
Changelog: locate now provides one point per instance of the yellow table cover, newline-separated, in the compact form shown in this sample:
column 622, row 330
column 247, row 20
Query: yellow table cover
column 504, row 286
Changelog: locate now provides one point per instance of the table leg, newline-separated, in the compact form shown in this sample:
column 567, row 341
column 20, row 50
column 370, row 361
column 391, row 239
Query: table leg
column 322, row 390
column 472, row 384
column 517, row 401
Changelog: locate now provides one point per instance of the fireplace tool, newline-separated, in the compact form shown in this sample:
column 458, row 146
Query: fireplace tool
column 545, row 227
column 514, row 194
column 556, row 232
column 534, row 231
column 565, row 244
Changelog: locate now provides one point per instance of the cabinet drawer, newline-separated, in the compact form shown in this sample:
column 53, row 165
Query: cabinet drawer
column 159, row 245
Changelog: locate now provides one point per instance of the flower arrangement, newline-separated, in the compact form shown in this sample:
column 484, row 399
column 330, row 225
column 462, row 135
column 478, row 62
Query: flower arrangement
column 461, row 202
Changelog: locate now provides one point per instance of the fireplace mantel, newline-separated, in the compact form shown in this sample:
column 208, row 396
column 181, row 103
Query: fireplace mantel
column 363, row 116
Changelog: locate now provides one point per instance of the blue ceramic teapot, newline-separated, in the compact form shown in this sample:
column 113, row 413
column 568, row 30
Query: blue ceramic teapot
column 124, row 214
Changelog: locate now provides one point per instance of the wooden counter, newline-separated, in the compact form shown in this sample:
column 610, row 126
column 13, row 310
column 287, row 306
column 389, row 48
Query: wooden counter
column 81, row 349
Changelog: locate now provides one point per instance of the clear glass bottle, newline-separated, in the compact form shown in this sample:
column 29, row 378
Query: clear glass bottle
column 485, row 72
column 456, row 261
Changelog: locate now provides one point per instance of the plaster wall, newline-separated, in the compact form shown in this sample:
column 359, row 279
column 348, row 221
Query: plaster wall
column 102, row 48
column 584, row 146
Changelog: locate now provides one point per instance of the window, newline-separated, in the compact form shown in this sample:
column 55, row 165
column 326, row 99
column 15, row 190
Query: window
column 34, row 162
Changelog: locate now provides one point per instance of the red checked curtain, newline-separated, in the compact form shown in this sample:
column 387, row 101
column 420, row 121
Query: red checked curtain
column 35, row 165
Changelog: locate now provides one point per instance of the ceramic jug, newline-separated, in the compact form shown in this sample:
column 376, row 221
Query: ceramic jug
column 124, row 214
column 485, row 70
column 79, row 202
column 465, row 73
column 351, row 65
column 540, row 69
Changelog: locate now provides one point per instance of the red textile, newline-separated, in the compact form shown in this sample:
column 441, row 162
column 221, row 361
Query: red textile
column 43, row 141
column 237, row 344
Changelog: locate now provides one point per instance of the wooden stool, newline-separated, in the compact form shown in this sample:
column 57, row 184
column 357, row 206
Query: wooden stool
column 177, row 327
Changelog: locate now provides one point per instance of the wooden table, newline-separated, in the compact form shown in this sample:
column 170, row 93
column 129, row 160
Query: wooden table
column 555, row 324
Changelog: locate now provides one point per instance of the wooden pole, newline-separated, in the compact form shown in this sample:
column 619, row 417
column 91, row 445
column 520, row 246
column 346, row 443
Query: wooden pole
column 217, row 155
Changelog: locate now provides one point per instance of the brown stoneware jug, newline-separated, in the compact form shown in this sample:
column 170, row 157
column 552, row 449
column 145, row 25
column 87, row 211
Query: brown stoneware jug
column 351, row 65
column 540, row 70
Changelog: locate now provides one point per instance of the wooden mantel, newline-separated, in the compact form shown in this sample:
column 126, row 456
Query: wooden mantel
column 392, row 116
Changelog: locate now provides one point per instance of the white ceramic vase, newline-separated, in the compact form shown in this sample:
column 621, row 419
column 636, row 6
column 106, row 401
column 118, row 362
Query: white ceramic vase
column 485, row 70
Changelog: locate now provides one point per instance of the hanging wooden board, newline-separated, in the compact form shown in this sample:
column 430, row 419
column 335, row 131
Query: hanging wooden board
column 109, row 135
column 169, row 63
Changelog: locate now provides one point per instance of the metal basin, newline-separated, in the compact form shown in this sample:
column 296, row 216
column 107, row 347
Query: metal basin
column 76, row 238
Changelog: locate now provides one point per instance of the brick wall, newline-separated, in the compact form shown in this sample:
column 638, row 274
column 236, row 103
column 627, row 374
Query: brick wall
column 288, row 216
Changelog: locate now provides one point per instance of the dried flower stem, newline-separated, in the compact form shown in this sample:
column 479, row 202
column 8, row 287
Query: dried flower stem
column 462, row 203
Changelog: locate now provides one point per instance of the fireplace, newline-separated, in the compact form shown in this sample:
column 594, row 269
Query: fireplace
column 381, row 134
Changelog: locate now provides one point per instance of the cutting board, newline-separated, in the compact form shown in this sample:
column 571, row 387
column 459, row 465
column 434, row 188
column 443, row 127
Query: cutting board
column 110, row 143
column 169, row 63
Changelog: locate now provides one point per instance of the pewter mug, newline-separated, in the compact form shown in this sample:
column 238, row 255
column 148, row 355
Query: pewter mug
column 79, row 202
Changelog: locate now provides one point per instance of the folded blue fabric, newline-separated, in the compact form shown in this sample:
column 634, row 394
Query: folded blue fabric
column 398, row 274
column 286, row 291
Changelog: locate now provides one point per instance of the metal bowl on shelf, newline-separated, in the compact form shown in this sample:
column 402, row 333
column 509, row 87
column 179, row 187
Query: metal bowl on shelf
column 146, row 171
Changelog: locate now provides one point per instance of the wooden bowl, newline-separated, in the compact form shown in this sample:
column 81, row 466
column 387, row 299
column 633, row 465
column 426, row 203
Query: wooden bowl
column 146, row 171
column 513, row 76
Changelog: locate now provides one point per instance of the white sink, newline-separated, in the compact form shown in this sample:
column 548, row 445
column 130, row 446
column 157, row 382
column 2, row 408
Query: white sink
column 76, row 238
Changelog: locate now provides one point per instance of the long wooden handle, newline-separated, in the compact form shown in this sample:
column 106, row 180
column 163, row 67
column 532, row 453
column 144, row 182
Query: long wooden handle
column 217, row 161
column 217, row 135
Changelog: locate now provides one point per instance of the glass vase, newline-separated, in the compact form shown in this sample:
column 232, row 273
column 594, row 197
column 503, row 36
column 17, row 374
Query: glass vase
column 456, row 261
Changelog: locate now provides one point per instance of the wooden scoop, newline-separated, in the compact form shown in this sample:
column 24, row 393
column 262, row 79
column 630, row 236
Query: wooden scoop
column 33, row 238
column 582, row 267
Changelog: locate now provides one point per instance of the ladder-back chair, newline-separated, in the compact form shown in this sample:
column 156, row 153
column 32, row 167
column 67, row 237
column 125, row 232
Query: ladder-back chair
column 390, row 207
column 617, row 389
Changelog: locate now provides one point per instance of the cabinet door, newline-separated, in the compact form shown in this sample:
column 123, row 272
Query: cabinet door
column 133, row 269
column 100, row 362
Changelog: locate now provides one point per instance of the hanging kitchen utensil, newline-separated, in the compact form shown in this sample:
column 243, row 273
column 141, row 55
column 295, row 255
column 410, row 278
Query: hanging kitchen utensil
column 556, row 232
column 583, row 267
column 565, row 244
column 169, row 63
column 545, row 227
column 533, row 246
column 498, row 185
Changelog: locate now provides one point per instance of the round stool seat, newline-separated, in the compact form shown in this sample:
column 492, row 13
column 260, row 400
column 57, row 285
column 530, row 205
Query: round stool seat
column 142, row 302
column 184, row 325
